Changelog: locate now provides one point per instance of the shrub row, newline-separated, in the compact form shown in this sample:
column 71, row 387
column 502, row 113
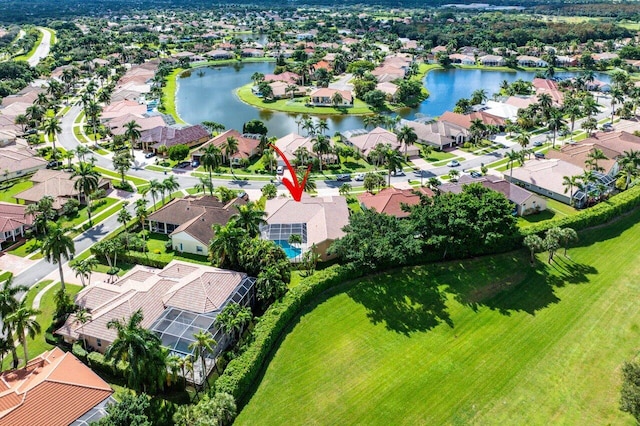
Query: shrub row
column 97, row 362
column 137, row 258
column 242, row 371
column 596, row 215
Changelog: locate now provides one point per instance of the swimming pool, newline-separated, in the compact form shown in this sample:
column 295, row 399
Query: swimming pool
column 290, row 251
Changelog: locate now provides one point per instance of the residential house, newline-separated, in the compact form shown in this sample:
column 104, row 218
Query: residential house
column 531, row 61
column 459, row 58
column 57, row 184
column 391, row 201
column 545, row 177
column 465, row 120
column 325, row 97
column 605, row 56
column 389, row 89
column 524, row 202
column 287, row 77
column 252, row 53
column 437, row 133
column 188, row 221
column 248, row 146
column 117, row 126
column 177, row 302
column 367, row 142
column 18, row 160
column 318, row 220
column 219, row 54
column 567, row 61
column 280, row 90
column 54, row 389
column 549, row 87
column 492, row 61
column 152, row 139
column 13, row 222
column 121, row 108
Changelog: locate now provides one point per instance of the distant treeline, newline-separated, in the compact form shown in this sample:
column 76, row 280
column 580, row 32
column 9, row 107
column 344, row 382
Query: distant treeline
column 41, row 11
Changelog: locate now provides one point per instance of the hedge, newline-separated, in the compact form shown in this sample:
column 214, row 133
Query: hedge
column 137, row 258
column 597, row 215
column 97, row 362
column 242, row 371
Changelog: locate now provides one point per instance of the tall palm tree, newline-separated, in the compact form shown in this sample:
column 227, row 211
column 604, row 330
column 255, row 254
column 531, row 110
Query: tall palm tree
column 204, row 344
column 393, row 159
column 82, row 317
column 210, row 160
column 132, row 133
column 407, row 136
column 24, row 324
column 322, row 126
column 56, row 246
column 555, row 123
column 225, row 244
column 523, row 139
column 171, row 185
column 21, row 120
column 594, row 156
column 321, row 145
column 137, row 346
column 477, row 130
column 570, row 182
column 155, row 188
column 8, row 304
column 51, row 127
column 230, row 147
column 630, row 162
column 81, row 152
column 250, row 217
column 546, row 103
column 141, row 211
column 83, row 269
column 86, row 184
column 513, row 156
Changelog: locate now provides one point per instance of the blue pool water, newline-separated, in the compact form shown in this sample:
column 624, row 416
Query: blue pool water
column 290, row 251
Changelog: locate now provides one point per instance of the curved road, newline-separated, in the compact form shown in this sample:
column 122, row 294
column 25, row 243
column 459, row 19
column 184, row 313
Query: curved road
column 43, row 48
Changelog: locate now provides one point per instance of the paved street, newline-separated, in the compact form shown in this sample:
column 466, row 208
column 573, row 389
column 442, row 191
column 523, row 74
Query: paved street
column 43, row 49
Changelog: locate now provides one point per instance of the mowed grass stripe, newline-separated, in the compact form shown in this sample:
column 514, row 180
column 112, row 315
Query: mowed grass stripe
column 548, row 348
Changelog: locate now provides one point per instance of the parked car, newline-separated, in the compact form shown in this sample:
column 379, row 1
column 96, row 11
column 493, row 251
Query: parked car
column 183, row 165
column 398, row 172
column 53, row 164
column 538, row 155
column 195, row 163
column 418, row 173
column 150, row 155
column 475, row 174
column 345, row 177
column 537, row 143
column 453, row 163
column 280, row 170
column 607, row 127
column 359, row 177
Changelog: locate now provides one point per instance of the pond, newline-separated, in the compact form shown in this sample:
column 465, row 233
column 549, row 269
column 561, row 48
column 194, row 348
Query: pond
column 208, row 95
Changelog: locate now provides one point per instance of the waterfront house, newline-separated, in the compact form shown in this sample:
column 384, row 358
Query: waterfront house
column 492, row 61
column 248, row 146
column 325, row 97
column 437, row 133
column 391, row 200
column 531, row 61
column 365, row 142
column 152, row 139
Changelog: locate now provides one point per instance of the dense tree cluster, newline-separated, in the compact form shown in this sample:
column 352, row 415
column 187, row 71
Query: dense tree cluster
column 476, row 221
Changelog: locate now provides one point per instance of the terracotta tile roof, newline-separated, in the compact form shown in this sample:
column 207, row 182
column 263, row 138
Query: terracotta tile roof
column 12, row 217
column 54, row 389
column 247, row 147
column 464, row 120
column 547, row 173
column 201, row 227
column 117, row 125
column 367, row 142
column 117, row 109
column 327, row 92
column 290, row 143
column 15, row 157
column 513, row 192
column 390, row 200
column 206, row 293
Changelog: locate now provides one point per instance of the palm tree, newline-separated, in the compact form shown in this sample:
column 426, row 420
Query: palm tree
column 137, row 346
column 322, row 126
column 310, row 183
column 513, row 156
column 590, row 124
column 81, row 151
column 155, row 188
column 224, row 246
column 82, row 317
column 132, row 133
column 170, row 184
column 5, row 348
column 83, row 269
column 213, row 126
column 321, row 145
column 8, row 304
column 630, row 162
column 174, row 362
column 535, row 244
column 250, row 218
column 51, row 127
column 555, row 123
column 57, row 245
column 210, row 160
column 21, row 120
column 122, row 163
column 337, row 99
column 86, row 184
column 546, row 103
column 567, row 235
column 595, row 155
column 407, row 136
column 617, row 97
column 291, row 88
column 523, row 139
column 124, row 217
column 230, row 147
column 141, row 211
column 204, row 343
column 477, row 130
column 569, row 182
column 23, row 324
column 393, row 159
column 573, row 111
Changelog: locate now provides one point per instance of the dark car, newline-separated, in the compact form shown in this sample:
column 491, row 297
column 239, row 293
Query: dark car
column 538, row 155
column 195, row 164
column 343, row 177
column 475, row 174
column 150, row 154
column 53, row 164
column 183, row 165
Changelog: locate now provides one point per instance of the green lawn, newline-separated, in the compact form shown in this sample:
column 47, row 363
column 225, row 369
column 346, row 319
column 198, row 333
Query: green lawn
column 439, row 156
column 488, row 341
column 29, row 54
column 7, row 193
column 135, row 180
column 47, row 307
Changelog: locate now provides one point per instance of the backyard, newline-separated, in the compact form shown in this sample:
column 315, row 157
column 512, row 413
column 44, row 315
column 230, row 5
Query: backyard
column 487, row 341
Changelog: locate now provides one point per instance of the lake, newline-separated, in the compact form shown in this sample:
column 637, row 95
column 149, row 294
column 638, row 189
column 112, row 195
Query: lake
column 208, row 95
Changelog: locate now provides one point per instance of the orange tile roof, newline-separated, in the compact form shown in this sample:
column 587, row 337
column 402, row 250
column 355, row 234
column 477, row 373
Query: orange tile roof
column 390, row 200
column 54, row 389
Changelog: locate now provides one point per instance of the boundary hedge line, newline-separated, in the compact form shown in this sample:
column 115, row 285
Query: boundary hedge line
column 242, row 371
column 597, row 215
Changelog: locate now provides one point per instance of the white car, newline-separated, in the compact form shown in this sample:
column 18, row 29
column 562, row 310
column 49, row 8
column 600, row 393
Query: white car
column 453, row 163
column 359, row 177
column 280, row 170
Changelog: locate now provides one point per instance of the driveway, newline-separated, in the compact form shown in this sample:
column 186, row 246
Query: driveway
column 343, row 83
column 14, row 264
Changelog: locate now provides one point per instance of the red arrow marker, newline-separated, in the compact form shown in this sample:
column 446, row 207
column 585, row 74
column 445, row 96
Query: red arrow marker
column 295, row 188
